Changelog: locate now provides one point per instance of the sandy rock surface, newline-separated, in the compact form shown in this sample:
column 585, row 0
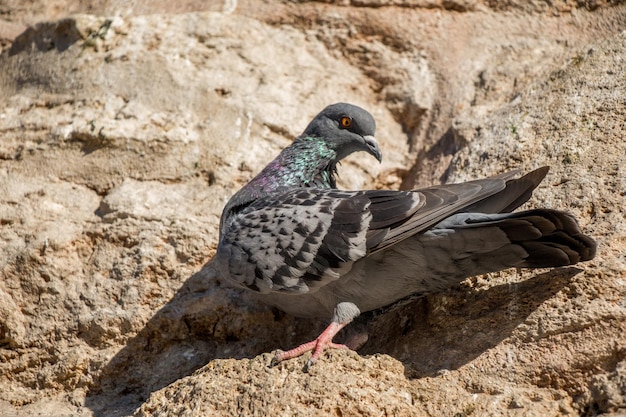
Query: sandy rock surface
column 125, row 129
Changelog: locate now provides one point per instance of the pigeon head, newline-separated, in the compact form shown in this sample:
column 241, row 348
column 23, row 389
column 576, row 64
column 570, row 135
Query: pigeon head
column 346, row 128
column 311, row 159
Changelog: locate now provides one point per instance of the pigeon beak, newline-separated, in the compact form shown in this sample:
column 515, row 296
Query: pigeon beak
column 372, row 147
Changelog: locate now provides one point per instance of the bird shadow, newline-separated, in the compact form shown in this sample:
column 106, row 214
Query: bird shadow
column 203, row 321
column 206, row 320
column 448, row 330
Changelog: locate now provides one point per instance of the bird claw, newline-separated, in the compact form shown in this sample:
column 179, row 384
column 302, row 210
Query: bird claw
column 308, row 365
column 276, row 360
column 324, row 341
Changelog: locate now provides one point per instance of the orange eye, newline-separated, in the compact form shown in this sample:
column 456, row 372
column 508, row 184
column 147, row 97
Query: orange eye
column 346, row 121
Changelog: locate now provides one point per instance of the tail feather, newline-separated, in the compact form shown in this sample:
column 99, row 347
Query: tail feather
column 558, row 249
column 549, row 238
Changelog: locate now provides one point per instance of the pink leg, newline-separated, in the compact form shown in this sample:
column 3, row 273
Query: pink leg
column 323, row 341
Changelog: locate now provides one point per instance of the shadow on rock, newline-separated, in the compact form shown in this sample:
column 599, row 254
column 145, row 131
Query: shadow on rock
column 206, row 320
column 448, row 330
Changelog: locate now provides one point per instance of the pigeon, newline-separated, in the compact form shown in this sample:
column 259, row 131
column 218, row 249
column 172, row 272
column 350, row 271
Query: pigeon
column 313, row 250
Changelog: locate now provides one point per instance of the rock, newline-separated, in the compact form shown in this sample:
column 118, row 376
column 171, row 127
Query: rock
column 362, row 387
column 122, row 136
column 608, row 391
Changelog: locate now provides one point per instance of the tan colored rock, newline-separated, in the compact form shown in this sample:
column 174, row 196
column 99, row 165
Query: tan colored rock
column 362, row 387
column 122, row 137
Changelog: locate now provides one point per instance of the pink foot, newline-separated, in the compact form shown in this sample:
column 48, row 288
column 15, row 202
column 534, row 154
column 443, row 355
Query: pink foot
column 323, row 341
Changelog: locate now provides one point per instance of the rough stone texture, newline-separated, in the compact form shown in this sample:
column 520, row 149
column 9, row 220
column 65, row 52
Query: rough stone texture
column 123, row 133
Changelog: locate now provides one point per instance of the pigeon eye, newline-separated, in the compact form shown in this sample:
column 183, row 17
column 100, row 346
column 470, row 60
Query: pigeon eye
column 346, row 122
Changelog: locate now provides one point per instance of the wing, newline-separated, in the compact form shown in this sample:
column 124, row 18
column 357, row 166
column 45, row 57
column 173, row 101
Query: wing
column 295, row 241
column 497, row 194
column 302, row 239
